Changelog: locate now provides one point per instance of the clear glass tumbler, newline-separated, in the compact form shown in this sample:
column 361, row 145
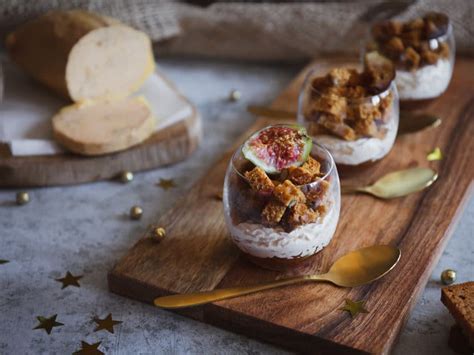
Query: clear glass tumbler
column 423, row 51
column 274, row 235
column 356, row 130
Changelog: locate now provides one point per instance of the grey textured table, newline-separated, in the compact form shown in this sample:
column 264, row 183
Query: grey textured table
column 85, row 229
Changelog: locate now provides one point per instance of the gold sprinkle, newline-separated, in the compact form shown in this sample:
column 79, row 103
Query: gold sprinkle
column 22, row 198
column 435, row 155
column 126, row 176
column 159, row 233
column 136, row 212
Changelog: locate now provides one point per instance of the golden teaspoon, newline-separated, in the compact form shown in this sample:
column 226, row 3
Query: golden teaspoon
column 397, row 184
column 353, row 269
column 409, row 122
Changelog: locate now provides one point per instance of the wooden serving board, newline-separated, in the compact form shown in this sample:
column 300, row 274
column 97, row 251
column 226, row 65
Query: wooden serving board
column 169, row 145
column 197, row 254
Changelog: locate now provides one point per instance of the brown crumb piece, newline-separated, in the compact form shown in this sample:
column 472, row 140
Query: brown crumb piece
column 332, row 104
column 411, row 59
column 430, row 29
column 273, row 213
column 300, row 175
column 341, row 76
column 258, row 180
column 387, row 29
column 429, row 57
column 312, row 165
column 301, row 214
column 317, row 191
column 415, row 25
column 366, row 128
column 306, row 173
column 459, row 299
column 287, row 193
column 338, row 128
column 366, row 112
column 395, row 46
column 443, row 50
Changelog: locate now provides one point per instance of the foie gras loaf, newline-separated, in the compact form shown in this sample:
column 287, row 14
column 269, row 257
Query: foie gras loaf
column 82, row 55
column 91, row 128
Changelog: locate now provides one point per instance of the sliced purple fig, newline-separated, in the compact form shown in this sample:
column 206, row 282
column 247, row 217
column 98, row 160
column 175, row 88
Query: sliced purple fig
column 278, row 147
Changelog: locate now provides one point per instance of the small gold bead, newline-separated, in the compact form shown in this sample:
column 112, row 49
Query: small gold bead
column 136, row 212
column 235, row 95
column 159, row 233
column 126, row 176
column 22, row 198
column 448, row 276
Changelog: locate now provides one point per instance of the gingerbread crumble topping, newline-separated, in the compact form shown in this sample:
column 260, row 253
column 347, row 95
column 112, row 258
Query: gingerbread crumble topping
column 408, row 44
column 339, row 103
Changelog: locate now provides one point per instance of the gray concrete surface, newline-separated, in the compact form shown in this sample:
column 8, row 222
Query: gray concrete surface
column 84, row 229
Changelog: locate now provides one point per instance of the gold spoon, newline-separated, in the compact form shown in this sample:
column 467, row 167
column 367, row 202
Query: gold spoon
column 353, row 269
column 397, row 184
column 409, row 122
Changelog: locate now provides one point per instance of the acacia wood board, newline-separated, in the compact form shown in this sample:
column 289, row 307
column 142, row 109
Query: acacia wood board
column 197, row 255
column 168, row 145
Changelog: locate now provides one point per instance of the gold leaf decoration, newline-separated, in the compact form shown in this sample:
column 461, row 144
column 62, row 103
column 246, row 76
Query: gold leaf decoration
column 435, row 155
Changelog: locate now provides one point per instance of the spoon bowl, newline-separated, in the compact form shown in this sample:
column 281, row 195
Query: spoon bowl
column 397, row 184
column 363, row 265
column 353, row 269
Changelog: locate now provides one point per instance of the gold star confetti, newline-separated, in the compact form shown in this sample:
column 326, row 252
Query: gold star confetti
column 354, row 308
column 166, row 184
column 47, row 323
column 106, row 324
column 2, row 261
column 89, row 349
column 69, row 280
column 436, row 154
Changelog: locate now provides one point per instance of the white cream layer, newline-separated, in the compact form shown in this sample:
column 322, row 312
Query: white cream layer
column 361, row 150
column 425, row 83
column 264, row 242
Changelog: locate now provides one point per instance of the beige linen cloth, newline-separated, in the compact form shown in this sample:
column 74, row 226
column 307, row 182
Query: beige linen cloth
column 253, row 30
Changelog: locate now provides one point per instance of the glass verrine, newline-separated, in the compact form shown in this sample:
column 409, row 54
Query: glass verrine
column 270, row 233
column 422, row 50
column 357, row 123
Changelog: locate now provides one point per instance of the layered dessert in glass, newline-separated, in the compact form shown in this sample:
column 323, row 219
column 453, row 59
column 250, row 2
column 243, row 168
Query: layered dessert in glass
column 422, row 50
column 354, row 114
column 281, row 197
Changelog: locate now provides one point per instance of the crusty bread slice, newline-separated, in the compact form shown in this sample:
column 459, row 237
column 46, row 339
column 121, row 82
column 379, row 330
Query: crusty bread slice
column 101, row 127
column 459, row 299
column 82, row 55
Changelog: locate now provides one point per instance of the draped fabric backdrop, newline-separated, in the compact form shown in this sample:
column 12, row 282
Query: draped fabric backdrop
column 253, row 30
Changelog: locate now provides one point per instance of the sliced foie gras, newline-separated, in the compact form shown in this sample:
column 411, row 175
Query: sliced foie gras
column 95, row 128
column 82, row 55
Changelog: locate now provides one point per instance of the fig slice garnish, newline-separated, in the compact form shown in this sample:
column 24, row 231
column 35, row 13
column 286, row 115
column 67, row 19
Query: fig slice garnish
column 278, row 147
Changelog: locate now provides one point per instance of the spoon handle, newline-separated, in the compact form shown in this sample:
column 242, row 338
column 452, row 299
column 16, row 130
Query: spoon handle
column 352, row 189
column 194, row 299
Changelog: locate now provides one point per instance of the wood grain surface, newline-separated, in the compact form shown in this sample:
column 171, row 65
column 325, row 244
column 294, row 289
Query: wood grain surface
column 167, row 146
column 197, row 254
